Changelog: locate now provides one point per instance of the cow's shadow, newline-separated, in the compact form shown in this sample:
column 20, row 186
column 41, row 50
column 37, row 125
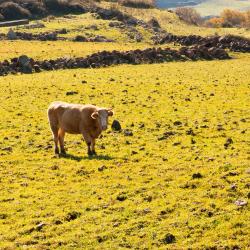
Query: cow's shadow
column 80, row 158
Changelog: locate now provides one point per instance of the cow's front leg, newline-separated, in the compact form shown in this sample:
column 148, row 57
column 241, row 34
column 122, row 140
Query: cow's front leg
column 93, row 146
column 88, row 140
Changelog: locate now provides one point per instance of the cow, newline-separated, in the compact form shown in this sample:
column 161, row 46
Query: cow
column 88, row 120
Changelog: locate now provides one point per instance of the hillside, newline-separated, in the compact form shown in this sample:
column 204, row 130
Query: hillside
column 175, row 176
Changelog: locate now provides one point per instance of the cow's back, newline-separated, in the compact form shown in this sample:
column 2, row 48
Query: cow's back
column 67, row 115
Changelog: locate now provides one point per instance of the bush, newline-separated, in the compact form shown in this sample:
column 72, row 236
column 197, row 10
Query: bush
column 189, row 15
column 12, row 11
column 215, row 22
column 143, row 4
column 232, row 18
column 247, row 19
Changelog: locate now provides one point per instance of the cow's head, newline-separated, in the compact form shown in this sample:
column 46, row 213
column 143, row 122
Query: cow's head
column 102, row 115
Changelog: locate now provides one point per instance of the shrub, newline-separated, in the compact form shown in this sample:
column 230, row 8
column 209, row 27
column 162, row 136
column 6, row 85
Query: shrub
column 214, row 22
column 247, row 19
column 189, row 15
column 144, row 4
column 232, row 18
column 11, row 10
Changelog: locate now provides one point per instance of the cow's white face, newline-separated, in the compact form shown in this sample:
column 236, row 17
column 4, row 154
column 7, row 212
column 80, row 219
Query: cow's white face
column 102, row 116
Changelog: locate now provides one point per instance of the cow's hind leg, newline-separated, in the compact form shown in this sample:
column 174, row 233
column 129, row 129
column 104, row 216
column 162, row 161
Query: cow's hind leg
column 93, row 146
column 54, row 128
column 61, row 134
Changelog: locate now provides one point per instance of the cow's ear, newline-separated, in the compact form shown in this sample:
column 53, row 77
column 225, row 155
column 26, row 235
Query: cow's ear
column 94, row 115
column 110, row 112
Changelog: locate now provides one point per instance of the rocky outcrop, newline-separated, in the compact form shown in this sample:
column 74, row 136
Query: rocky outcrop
column 233, row 43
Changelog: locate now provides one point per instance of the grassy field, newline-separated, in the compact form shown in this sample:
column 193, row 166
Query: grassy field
column 173, row 176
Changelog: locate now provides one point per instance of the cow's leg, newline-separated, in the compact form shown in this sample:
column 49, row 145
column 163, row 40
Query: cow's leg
column 61, row 134
column 87, row 139
column 54, row 128
column 55, row 136
column 93, row 146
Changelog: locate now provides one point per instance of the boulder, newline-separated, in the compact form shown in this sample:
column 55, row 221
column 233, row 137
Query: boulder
column 116, row 126
column 25, row 64
column 11, row 35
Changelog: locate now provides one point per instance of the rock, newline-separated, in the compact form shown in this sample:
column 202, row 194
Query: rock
column 93, row 27
column 240, row 203
column 121, row 197
column 62, row 31
column 3, row 216
column 11, row 35
column 71, row 93
column 228, row 142
column 103, row 167
column 40, row 226
column 54, row 167
column 169, row 238
column 190, row 132
column 9, row 149
column 128, row 132
column 116, row 126
column 37, row 68
column 154, row 23
column 197, row 176
column 80, row 39
column 72, row 216
column 166, row 135
column 177, row 123
column 25, row 64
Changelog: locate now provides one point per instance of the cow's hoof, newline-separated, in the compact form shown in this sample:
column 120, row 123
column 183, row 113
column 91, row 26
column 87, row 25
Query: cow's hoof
column 63, row 152
column 90, row 153
column 94, row 153
column 56, row 151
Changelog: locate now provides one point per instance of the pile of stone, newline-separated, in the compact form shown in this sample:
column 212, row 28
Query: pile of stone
column 45, row 36
column 100, row 39
column 16, row 35
column 107, row 58
column 233, row 43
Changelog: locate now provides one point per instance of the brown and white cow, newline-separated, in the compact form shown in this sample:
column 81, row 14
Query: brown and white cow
column 88, row 120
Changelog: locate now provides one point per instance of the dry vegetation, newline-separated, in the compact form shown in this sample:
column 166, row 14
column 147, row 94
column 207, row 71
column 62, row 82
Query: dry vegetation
column 231, row 18
column 189, row 15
